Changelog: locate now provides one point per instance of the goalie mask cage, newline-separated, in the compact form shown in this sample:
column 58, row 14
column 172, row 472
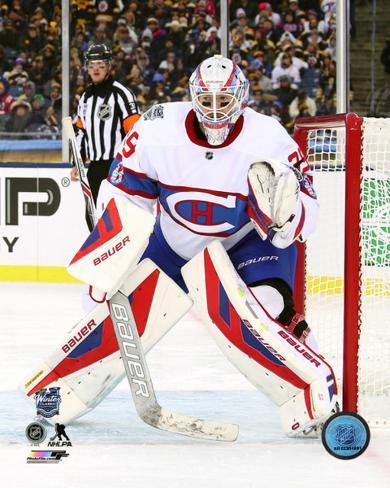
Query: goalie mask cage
column 343, row 274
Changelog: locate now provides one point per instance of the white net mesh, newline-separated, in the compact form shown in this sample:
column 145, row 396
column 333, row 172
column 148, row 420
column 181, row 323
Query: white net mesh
column 325, row 260
column 374, row 351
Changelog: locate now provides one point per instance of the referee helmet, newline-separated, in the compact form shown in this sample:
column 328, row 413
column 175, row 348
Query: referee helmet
column 98, row 52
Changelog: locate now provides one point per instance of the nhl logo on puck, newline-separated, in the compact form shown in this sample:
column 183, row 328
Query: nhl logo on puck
column 345, row 435
column 36, row 432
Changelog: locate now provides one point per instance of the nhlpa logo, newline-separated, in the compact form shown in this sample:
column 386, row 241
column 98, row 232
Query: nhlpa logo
column 48, row 401
column 60, row 432
column 117, row 174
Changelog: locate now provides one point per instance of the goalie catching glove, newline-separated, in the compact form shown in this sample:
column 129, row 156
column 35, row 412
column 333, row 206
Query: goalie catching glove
column 274, row 202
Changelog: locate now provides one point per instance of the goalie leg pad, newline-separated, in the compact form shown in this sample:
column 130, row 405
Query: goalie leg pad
column 87, row 365
column 263, row 350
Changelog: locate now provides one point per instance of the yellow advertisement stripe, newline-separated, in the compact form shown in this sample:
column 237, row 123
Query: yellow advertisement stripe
column 46, row 274
column 316, row 285
column 334, row 285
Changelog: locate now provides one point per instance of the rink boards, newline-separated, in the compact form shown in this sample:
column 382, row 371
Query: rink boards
column 42, row 225
column 41, row 221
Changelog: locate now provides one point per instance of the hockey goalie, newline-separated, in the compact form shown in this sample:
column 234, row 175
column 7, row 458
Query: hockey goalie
column 235, row 196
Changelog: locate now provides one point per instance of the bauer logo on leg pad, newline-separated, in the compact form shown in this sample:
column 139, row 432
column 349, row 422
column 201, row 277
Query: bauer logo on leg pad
column 300, row 348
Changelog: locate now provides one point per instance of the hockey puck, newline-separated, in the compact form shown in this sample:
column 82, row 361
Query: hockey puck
column 345, row 435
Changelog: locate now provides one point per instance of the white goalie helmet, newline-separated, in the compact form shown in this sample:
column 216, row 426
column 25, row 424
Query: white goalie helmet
column 219, row 95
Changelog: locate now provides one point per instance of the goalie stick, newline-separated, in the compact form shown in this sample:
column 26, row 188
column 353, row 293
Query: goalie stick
column 141, row 385
column 76, row 160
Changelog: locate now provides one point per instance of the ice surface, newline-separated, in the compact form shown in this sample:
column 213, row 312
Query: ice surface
column 113, row 447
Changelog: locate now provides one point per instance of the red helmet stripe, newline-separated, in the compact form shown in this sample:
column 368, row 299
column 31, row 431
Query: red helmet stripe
column 230, row 79
column 201, row 82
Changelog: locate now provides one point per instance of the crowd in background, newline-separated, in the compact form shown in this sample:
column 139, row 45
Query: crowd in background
column 286, row 48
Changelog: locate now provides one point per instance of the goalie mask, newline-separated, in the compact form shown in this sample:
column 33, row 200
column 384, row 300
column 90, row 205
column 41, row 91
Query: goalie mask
column 219, row 95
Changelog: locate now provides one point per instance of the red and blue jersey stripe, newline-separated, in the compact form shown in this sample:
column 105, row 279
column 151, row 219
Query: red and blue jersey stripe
column 132, row 182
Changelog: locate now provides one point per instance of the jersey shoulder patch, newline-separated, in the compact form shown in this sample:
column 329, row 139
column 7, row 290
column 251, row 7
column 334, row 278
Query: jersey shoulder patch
column 155, row 112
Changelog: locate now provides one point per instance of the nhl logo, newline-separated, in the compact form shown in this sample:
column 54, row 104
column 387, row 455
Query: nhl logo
column 48, row 401
column 36, row 432
column 104, row 112
column 209, row 155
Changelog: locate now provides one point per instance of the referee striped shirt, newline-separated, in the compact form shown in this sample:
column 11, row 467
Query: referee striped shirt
column 106, row 112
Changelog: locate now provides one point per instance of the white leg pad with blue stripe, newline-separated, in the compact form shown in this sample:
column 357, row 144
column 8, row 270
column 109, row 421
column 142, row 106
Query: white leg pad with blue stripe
column 271, row 358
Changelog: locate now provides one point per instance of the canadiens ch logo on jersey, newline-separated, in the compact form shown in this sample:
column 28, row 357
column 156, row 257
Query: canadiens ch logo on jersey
column 104, row 112
column 204, row 213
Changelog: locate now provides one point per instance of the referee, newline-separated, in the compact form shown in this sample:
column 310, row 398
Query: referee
column 106, row 112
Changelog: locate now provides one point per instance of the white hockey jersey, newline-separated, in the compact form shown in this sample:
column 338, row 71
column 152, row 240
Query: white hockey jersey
column 202, row 189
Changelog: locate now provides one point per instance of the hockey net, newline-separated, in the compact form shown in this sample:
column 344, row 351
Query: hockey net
column 344, row 281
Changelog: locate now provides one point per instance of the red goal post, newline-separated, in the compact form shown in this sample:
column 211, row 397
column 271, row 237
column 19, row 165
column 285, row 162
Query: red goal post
column 348, row 264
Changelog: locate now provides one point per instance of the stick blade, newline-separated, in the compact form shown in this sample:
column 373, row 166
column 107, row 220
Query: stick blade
column 67, row 127
column 191, row 426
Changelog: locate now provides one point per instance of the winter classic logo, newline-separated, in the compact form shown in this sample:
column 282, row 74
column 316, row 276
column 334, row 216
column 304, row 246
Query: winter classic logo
column 345, row 435
column 47, row 401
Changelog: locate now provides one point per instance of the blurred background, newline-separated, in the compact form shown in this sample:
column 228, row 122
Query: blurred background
column 287, row 48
